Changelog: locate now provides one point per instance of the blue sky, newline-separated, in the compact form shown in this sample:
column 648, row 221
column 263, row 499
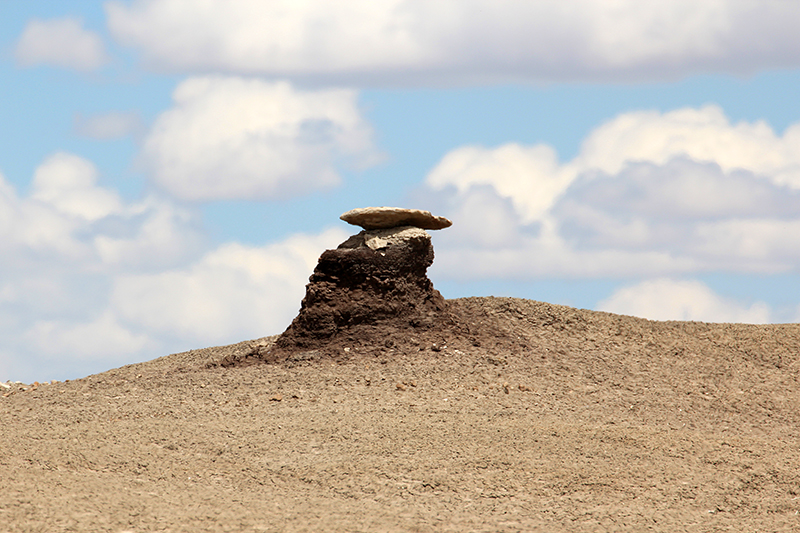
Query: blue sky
column 170, row 171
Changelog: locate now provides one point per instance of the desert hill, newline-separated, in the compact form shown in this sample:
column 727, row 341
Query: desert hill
column 506, row 415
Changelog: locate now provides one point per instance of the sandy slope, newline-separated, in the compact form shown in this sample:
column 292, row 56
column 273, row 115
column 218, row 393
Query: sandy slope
column 560, row 420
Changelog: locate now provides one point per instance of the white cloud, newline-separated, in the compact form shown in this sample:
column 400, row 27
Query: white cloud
column 234, row 292
column 547, row 256
column 113, row 125
column 683, row 189
column 461, row 41
column 69, row 218
column 530, row 177
column 63, row 242
column 61, row 43
column 101, row 338
column 703, row 135
column 668, row 299
column 648, row 194
column 67, row 182
column 246, row 138
column 727, row 221
column 756, row 245
column 89, row 281
column 153, row 233
column 64, row 201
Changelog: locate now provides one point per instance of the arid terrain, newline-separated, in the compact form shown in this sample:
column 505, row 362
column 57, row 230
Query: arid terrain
column 514, row 416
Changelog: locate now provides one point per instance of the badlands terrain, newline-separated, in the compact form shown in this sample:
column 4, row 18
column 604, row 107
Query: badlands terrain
column 500, row 415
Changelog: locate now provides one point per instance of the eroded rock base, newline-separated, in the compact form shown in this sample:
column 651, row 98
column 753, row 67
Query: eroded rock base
column 372, row 291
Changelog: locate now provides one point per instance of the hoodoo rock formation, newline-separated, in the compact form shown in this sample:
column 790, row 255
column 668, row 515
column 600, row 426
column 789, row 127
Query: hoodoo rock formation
column 370, row 289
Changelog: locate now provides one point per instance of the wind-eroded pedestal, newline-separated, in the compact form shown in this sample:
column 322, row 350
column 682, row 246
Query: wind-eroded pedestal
column 375, row 277
column 368, row 295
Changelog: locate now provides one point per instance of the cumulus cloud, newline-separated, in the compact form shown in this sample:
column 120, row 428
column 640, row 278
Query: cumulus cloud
column 229, row 137
column 461, row 41
column 67, row 182
column 61, row 43
column 683, row 189
column 723, row 220
column 62, row 244
column 704, row 134
column 648, row 194
column 669, row 299
column 231, row 293
column 69, row 217
column 100, row 338
column 89, row 281
column 65, row 200
column 529, row 176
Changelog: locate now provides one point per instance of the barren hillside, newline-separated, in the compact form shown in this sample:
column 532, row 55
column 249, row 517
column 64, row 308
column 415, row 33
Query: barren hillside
column 511, row 415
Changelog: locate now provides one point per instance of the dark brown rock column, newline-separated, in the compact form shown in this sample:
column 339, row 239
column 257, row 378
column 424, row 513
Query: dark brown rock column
column 378, row 277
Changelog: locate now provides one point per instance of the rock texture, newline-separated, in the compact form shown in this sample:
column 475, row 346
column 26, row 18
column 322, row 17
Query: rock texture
column 369, row 295
column 375, row 284
column 392, row 217
column 378, row 239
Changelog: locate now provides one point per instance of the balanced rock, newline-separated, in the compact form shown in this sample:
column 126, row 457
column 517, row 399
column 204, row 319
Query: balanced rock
column 393, row 217
column 372, row 286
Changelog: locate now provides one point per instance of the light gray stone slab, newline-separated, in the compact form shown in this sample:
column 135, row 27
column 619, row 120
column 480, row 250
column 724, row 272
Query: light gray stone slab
column 392, row 217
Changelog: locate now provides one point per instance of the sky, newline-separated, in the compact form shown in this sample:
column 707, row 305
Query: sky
column 170, row 170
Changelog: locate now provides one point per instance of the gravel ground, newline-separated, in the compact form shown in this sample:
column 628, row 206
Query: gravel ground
column 539, row 418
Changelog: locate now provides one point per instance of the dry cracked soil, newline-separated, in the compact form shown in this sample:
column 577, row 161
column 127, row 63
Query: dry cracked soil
column 516, row 416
